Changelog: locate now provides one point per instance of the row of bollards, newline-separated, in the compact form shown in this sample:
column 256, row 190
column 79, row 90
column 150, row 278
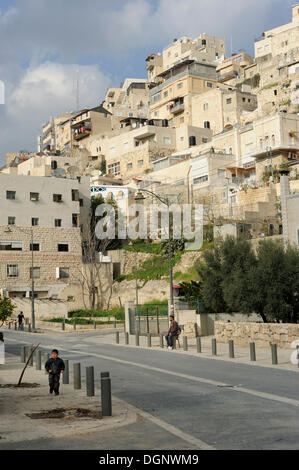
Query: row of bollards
column 106, row 397
column 231, row 348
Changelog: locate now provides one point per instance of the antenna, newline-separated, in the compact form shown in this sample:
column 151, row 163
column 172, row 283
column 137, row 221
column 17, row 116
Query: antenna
column 231, row 45
column 77, row 92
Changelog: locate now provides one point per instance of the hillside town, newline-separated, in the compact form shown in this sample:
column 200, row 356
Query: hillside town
column 149, row 233
column 206, row 127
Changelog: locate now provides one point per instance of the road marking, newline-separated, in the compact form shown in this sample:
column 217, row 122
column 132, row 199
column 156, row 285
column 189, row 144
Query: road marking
column 267, row 396
column 198, row 443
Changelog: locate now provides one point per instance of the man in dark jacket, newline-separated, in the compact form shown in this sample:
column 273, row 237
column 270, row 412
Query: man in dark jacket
column 173, row 332
column 54, row 366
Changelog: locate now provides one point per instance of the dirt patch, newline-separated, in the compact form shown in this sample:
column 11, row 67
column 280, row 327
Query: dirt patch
column 61, row 413
column 23, row 385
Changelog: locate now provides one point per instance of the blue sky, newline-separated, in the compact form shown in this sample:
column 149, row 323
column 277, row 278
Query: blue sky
column 46, row 43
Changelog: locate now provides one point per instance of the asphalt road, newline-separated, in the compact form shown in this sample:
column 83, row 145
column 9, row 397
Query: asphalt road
column 217, row 403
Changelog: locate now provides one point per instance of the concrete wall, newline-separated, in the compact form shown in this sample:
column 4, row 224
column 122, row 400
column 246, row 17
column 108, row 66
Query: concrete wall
column 283, row 334
column 43, row 308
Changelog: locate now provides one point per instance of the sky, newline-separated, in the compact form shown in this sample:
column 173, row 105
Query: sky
column 46, row 44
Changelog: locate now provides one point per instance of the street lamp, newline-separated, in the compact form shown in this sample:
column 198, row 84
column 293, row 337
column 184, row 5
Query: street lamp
column 8, row 230
column 136, row 277
column 139, row 197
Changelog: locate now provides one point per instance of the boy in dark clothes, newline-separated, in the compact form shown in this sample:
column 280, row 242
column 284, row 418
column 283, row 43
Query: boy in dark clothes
column 54, row 366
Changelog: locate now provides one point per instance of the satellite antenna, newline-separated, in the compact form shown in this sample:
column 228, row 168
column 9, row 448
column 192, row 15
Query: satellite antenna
column 72, row 170
column 77, row 91
column 59, row 172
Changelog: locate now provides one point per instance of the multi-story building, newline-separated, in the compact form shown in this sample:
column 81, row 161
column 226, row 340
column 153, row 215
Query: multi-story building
column 129, row 100
column 277, row 59
column 232, row 68
column 131, row 151
column 87, row 124
column 171, row 100
column 289, row 210
column 221, row 108
column 42, row 216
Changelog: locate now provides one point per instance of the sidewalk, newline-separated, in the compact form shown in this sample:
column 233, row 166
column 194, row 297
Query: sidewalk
column 242, row 354
column 16, row 403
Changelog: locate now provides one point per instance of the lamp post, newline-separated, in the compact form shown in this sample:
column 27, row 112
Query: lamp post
column 136, row 277
column 165, row 201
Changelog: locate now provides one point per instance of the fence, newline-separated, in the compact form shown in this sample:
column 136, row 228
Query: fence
column 151, row 318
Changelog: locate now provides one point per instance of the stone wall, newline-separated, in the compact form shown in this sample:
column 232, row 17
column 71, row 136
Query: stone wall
column 283, row 334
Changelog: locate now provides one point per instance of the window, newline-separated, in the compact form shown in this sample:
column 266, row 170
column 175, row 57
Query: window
column 244, row 100
column 200, row 179
column 221, row 173
column 206, row 106
column 11, row 220
column 228, row 101
column 34, row 196
column 35, row 247
column 75, row 195
column 10, row 246
column 182, row 120
column 233, row 199
column 249, row 100
column 12, row 270
column 34, row 273
column 114, row 168
column 63, row 247
column 140, row 163
column 58, row 222
column 129, row 166
column 209, row 84
column 81, row 202
column 182, row 138
column 275, row 92
column 112, row 149
column 34, row 221
column 57, row 197
column 180, row 85
column 63, row 273
column 166, row 140
column 165, row 94
column 204, row 140
column 75, row 220
column 207, row 125
column 10, row 195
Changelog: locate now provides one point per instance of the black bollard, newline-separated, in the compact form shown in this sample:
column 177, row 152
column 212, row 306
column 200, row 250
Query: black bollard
column 74, row 324
column 38, row 360
column 231, row 349
column 274, row 354
column 198, row 344
column 252, row 351
column 126, row 338
column 90, row 381
column 66, row 373
column 31, row 359
column 117, row 337
column 161, row 341
column 137, row 339
column 95, row 325
column 214, row 347
column 63, row 325
column 77, row 376
column 149, row 340
column 185, row 343
column 106, row 398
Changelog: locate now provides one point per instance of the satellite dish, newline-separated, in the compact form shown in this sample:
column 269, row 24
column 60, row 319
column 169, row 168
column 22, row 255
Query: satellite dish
column 72, row 170
column 59, row 172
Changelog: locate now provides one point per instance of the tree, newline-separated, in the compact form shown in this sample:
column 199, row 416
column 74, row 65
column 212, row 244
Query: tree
column 6, row 309
column 276, row 282
column 211, row 275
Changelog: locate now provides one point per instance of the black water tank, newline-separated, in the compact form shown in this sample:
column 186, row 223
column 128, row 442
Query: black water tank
column 192, row 140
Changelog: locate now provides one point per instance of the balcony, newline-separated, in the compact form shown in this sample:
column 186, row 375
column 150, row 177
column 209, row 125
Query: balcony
column 177, row 107
column 81, row 130
column 144, row 132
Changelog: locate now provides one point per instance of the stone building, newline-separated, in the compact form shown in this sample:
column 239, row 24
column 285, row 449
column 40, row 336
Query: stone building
column 42, row 217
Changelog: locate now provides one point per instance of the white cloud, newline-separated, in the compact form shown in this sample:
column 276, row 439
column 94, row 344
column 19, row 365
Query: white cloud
column 40, row 35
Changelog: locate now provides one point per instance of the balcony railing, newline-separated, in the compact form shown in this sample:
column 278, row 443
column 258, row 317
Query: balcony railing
column 177, row 108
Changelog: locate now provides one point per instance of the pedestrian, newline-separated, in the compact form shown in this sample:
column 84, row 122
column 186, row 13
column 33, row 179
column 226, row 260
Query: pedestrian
column 173, row 332
column 20, row 320
column 54, row 366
